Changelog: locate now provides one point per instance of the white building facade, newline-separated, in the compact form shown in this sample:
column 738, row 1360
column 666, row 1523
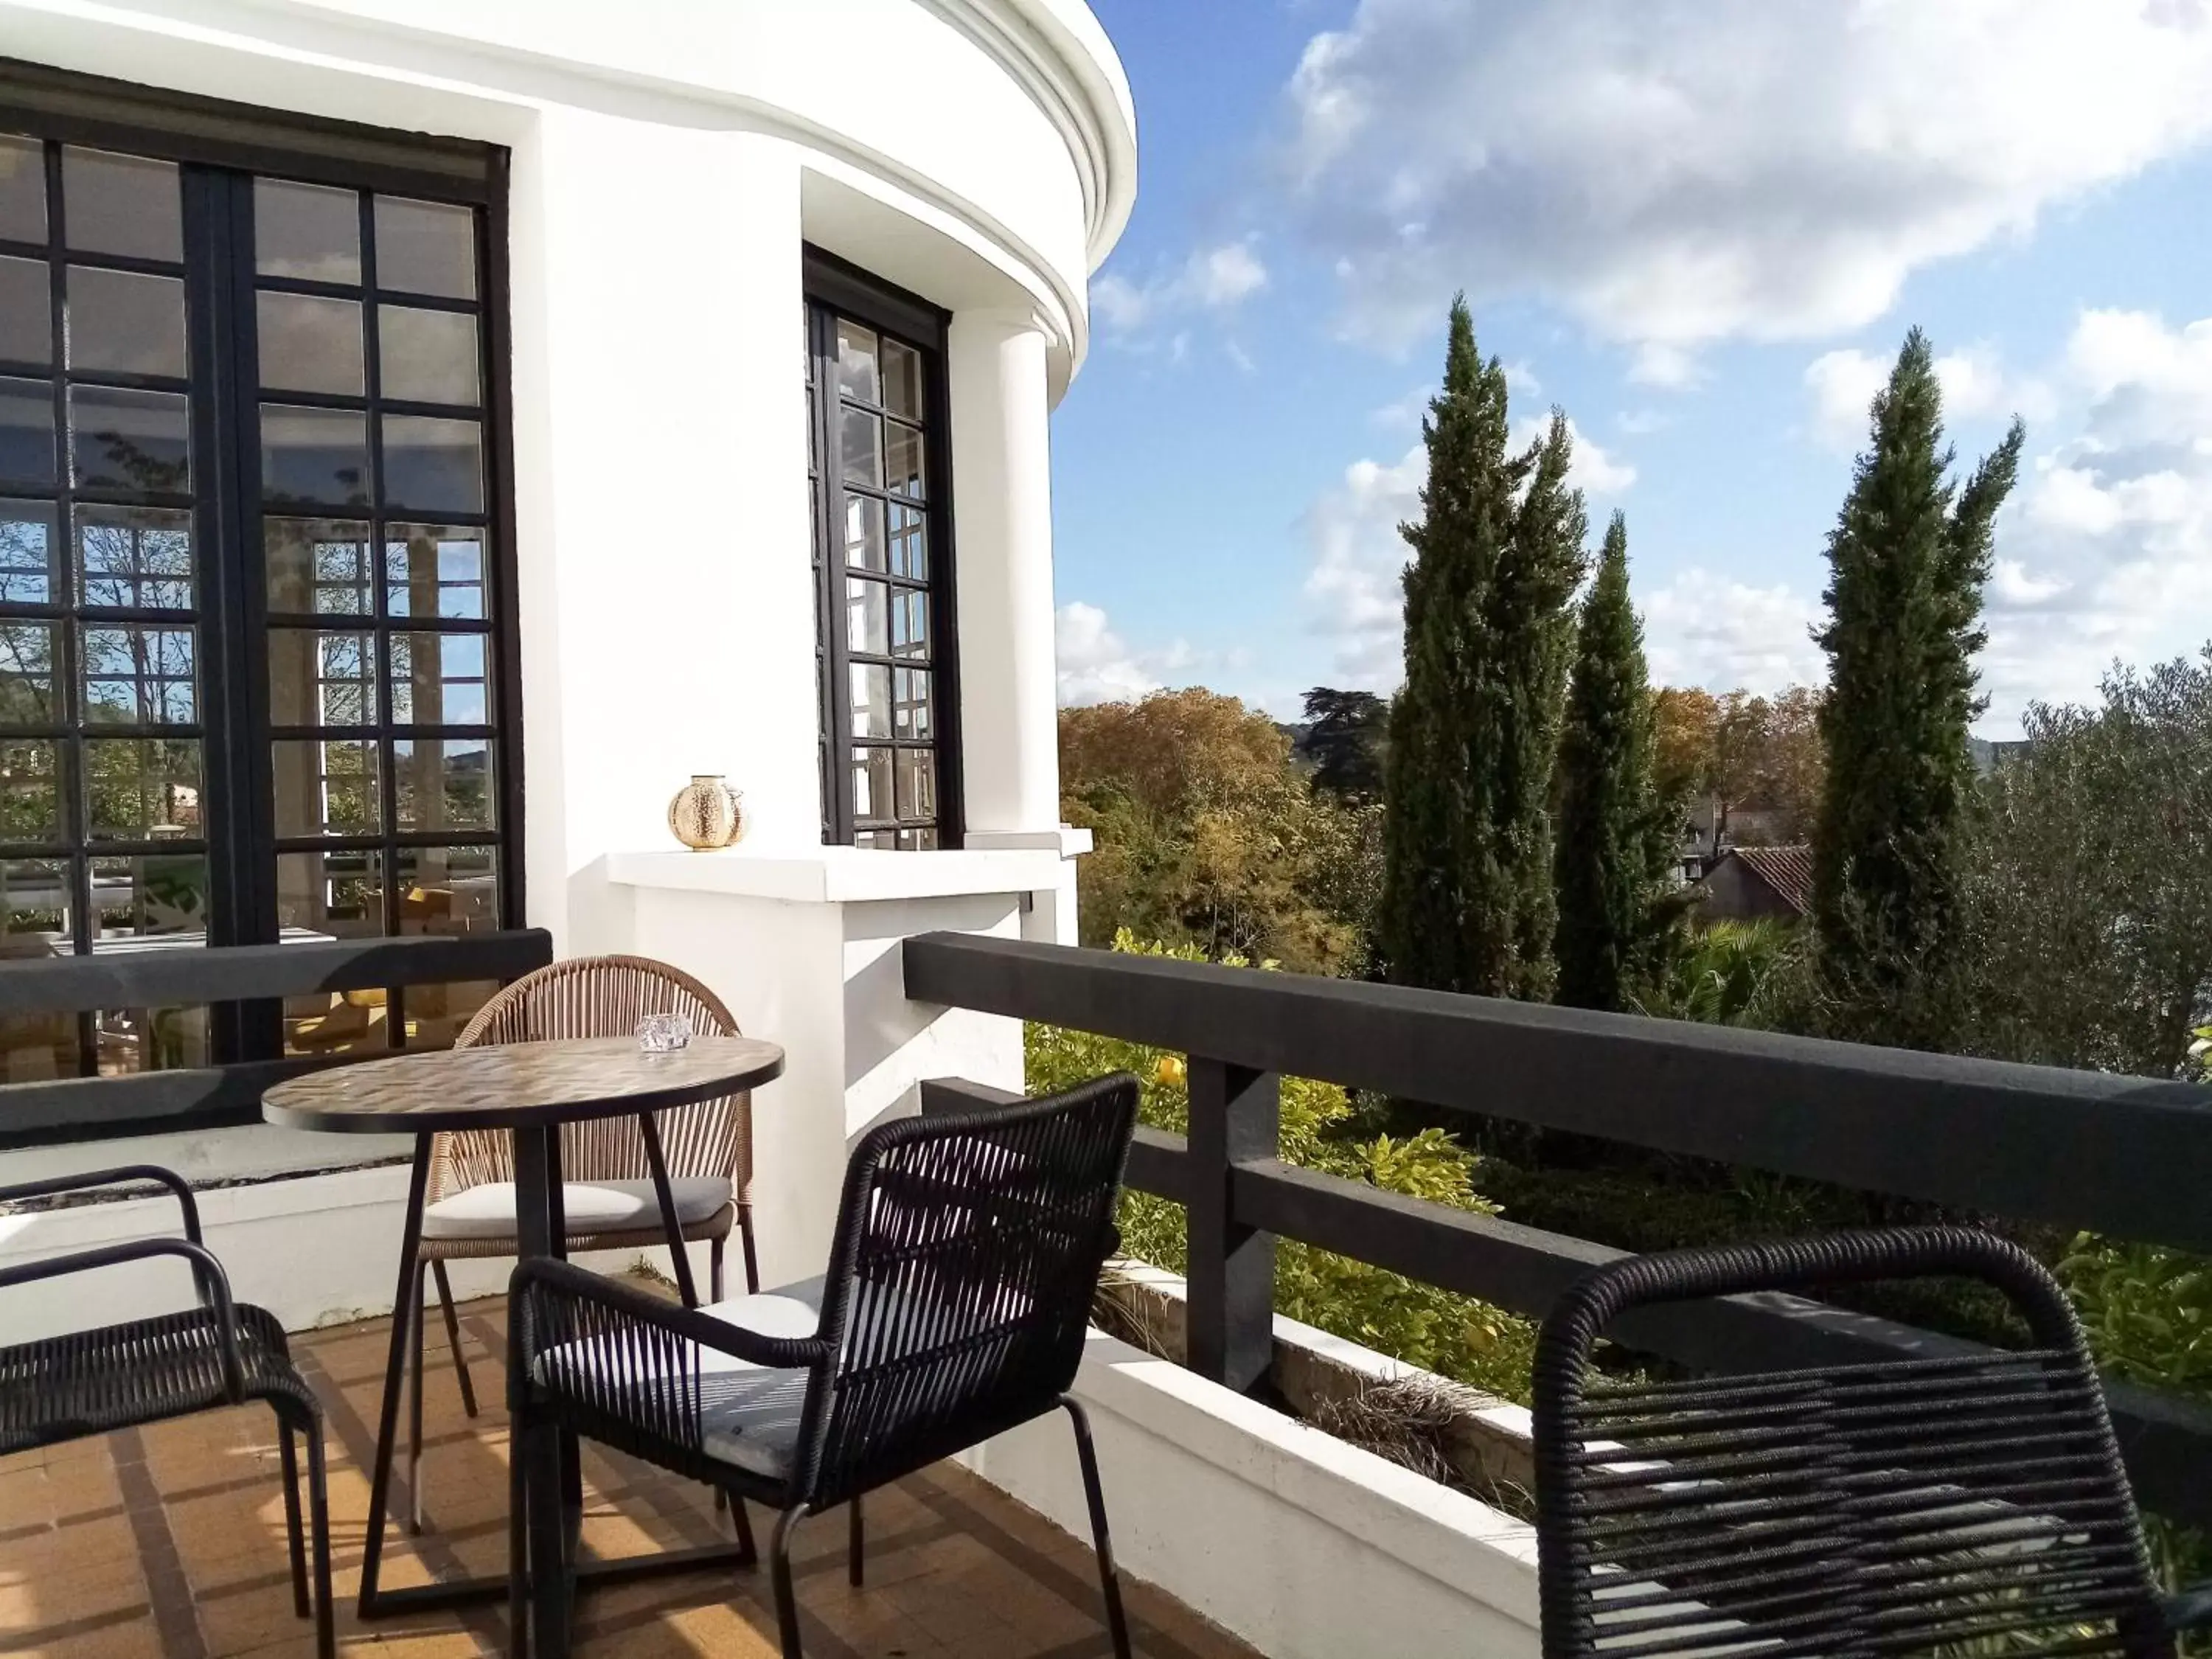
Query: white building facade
column 409, row 397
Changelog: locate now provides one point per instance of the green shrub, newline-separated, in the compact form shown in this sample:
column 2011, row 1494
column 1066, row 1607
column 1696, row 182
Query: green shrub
column 1466, row 1340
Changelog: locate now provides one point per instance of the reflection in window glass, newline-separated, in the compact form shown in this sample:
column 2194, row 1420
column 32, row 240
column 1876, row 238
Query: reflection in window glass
column 27, row 311
column 122, row 205
column 902, row 388
column 317, row 567
column 148, row 894
column 433, row 462
column 142, row 788
column 318, row 679
column 857, row 375
column 447, row 890
column 860, row 443
column 30, row 792
column 22, row 189
column 864, row 532
column 867, row 626
column 27, row 676
column 122, row 322
column 135, row 676
column 26, row 433
column 338, row 894
column 325, row 786
column 432, row 570
column 309, row 343
column 313, row 457
column 442, row 783
column 427, row 356
column 26, row 543
column 307, row 231
column 425, row 247
column 439, row 679
column 136, row 558
column 138, row 442
column 872, row 701
column 903, row 458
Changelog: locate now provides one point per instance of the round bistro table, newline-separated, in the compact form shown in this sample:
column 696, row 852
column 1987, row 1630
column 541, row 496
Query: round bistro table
column 531, row 1088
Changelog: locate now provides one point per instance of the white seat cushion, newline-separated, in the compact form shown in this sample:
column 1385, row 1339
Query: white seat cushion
column 591, row 1206
column 747, row 1414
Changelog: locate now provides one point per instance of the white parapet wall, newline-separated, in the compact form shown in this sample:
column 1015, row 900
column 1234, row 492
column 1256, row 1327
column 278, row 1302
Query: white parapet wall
column 1298, row 1543
column 314, row 1249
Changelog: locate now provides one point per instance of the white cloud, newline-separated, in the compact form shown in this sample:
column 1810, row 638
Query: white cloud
column 1218, row 279
column 1225, row 275
column 1843, row 385
column 1704, row 629
column 1353, row 587
column 1670, row 368
column 1096, row 664
column 1679, row 172
column 2106, row 551
column 1403, row 412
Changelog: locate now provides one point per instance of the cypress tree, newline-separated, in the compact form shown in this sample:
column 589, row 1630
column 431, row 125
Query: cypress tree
column 1466, row 900
column 1907, row 561
column 1615, row 894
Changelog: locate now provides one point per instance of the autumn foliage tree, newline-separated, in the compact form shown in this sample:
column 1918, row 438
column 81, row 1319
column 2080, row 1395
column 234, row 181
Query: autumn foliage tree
column 1208, row 837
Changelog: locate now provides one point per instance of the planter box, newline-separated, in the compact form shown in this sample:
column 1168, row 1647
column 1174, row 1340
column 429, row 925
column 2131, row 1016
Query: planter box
column 1300, row 1544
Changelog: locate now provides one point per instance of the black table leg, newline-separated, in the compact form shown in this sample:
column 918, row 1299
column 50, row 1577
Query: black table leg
column 538, row 1228
column 657, row 1163
column 552, row 1465
column 395, row 1369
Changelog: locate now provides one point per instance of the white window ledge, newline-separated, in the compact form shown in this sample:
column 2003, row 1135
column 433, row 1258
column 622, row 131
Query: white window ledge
column 841, row 875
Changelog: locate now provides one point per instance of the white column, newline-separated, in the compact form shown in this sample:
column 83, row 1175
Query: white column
column 1002, row 502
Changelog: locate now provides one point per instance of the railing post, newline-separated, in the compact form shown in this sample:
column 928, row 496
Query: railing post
column 1234, row 1119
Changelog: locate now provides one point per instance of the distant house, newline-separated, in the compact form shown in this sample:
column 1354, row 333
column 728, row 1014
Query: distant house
column 1753, row 883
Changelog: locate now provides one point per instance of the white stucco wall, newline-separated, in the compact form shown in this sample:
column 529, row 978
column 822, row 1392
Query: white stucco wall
column 1303, row 1545
column 670, row 160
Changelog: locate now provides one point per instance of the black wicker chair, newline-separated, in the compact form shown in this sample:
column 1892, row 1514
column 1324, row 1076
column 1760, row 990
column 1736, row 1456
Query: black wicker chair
column 967, row 1252
column 1954, row 1505
column 220, row 1353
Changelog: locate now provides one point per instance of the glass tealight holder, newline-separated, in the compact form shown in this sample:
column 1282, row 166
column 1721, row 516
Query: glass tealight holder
column 663, row 1034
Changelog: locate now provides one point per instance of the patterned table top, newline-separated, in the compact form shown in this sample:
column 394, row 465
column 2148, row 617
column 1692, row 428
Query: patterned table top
column 516, row 1084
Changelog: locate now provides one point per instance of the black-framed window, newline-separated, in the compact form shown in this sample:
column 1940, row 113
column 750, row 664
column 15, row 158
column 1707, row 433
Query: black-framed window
column 878, row 479
column 256, row 638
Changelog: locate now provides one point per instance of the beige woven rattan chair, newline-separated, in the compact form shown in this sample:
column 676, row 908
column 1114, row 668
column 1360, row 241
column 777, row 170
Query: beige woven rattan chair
column 608, row 1188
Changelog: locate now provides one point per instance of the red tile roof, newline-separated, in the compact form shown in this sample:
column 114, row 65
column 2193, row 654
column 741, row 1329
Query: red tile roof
column 1786, row 870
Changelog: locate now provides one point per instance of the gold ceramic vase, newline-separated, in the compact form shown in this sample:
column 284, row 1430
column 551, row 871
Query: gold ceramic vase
column 707, row 813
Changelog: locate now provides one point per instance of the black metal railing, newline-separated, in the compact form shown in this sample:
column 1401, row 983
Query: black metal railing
column 73, row 1108
column 2121, row 1156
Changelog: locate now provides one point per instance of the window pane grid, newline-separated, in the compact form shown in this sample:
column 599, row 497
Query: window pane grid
column 102, row 835
column 410, row 836
column 870, row 454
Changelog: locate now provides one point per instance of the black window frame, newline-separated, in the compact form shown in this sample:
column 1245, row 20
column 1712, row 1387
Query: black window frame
column 220, row 148
column 836, row 287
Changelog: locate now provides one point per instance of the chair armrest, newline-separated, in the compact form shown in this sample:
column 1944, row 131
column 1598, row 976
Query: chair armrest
column 2188, row 1609
column 121, row 1173
column 544, row 1286
column 213, row 1282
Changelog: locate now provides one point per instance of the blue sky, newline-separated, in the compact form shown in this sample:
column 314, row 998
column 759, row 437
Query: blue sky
column 1701, row 227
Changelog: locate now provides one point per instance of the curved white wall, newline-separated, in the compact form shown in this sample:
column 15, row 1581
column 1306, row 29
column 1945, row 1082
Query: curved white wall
column 670, row 158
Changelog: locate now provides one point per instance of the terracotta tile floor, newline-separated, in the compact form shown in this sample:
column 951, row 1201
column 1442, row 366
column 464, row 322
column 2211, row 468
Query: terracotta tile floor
column 168, row 1542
